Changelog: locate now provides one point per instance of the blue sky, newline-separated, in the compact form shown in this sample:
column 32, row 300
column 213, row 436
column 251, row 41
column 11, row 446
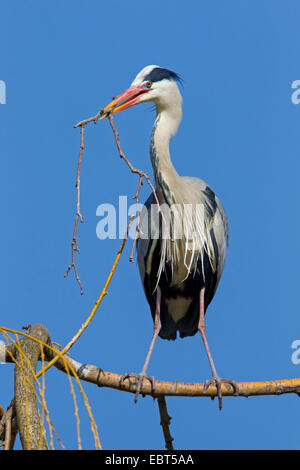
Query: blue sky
column 61, row 62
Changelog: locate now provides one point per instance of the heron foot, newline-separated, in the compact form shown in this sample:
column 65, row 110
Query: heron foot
column 138, row 381
column 218, row 382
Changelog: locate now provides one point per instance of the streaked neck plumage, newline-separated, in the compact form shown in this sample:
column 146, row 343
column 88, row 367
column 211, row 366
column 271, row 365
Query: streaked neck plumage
column 165, row 127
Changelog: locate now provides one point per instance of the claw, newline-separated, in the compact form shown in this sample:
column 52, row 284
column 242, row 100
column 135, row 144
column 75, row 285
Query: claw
column 140, row 383
column 218, row 382
column 139, row 378
column 124, row 377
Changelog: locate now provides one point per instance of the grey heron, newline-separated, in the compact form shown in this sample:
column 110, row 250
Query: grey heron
column 180, row 273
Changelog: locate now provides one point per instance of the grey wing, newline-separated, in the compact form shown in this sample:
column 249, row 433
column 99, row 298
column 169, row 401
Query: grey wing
column 217, row 229
column 219, row 233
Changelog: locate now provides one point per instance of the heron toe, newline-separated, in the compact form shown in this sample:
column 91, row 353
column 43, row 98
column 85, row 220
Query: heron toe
column 217, row 382
column 138, row 381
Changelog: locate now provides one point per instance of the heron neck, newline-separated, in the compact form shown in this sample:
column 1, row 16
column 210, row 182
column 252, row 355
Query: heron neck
column 166, row 177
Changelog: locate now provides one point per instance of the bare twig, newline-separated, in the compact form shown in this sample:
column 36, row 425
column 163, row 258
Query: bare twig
column 134, row 170
column 141, row 173
column 131, row 257
column 79, row 216
column 91, row 119
column 138, row 225
column 165, row 421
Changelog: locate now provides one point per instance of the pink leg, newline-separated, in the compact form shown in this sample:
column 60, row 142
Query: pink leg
column 215, row 379
column 156, row 330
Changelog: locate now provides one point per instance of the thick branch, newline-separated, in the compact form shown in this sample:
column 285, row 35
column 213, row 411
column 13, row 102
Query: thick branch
column 108, row 379
column 27, row 412
column 94, row 374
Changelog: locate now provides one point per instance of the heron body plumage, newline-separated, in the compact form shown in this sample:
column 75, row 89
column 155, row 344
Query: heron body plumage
column 181, row 267
column 180, row 283
column 182, row 240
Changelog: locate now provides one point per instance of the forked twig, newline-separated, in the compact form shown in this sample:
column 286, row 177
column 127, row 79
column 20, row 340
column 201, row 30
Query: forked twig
column 134, row 170
column 91, row 119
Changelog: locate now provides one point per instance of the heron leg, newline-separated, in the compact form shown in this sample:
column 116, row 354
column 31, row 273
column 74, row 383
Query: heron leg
column 156, row 330
column 215, row 378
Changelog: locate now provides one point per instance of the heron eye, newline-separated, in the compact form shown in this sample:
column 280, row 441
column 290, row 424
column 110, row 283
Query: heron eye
column 148, row 84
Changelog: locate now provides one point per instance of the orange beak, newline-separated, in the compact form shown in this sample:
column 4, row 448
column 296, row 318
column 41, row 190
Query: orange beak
column 127, row 99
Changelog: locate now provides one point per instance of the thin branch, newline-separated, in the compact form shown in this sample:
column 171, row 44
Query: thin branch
column 94, row 309
column 132, row 168
column 138, row 225
column 74, row 243
column 165, row 421
column 91, row 119
column 79, row 216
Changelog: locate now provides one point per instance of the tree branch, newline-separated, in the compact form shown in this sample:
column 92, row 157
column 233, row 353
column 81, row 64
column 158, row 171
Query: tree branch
column 97, row 376
column 27, row 414
column 38, row 346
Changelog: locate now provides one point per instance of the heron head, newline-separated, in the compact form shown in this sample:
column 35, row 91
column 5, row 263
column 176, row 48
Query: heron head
column 152, row 83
